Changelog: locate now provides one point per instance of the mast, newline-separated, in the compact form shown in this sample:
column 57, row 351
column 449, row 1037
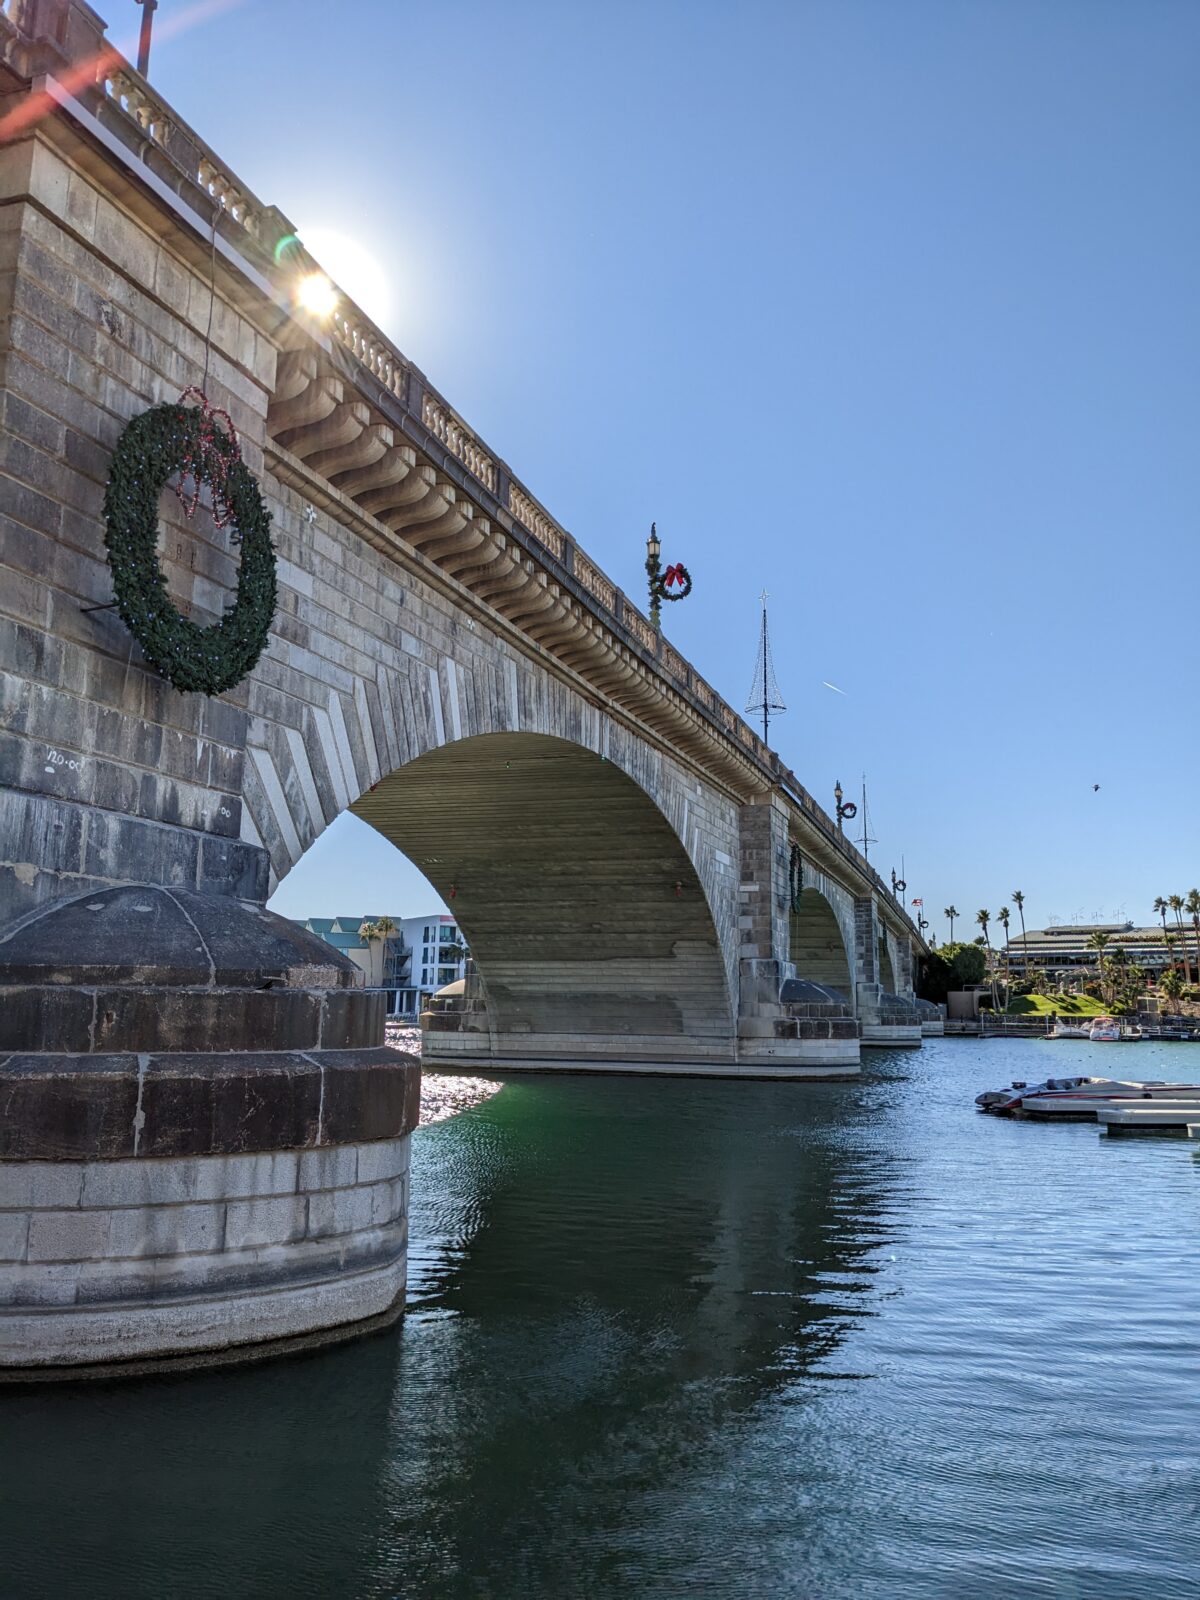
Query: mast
column 868, row 838
column 765, row 696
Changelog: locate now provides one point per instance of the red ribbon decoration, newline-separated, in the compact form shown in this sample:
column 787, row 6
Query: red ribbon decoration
column 208, row 462
column 674, row 574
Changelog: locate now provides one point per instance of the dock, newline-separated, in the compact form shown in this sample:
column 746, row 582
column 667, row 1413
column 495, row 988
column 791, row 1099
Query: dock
column 1170, row 1120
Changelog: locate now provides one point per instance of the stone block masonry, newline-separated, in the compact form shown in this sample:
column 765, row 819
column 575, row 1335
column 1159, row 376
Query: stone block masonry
column 103, row 1261
column 203, row 1144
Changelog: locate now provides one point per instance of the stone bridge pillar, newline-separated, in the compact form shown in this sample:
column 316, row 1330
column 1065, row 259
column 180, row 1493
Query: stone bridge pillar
column 887, row 1013
column 903, row 964
column 203, row 1138
column 775, row 1024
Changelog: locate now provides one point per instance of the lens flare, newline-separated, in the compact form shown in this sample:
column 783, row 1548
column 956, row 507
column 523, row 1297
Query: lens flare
column 358, row 274
column 316, row 295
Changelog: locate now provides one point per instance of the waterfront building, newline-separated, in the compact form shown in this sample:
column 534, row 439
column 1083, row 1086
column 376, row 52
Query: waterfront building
column 1066, row 949
column 413, row 962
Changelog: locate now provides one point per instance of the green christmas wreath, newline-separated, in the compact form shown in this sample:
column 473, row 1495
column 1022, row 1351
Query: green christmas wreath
column 165, row 440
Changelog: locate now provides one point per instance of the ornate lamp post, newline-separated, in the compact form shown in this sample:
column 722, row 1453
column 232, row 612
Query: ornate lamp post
column 661, row 583
column 654, row 574
column 846, row 811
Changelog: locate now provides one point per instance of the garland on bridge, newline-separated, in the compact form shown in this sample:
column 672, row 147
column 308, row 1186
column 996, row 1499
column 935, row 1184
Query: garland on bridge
column 183, row 439
column 795, row 877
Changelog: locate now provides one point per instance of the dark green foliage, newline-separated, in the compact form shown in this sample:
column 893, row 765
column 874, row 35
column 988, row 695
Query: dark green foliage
column 968, row 963
column 937, row 977
column 208, row 660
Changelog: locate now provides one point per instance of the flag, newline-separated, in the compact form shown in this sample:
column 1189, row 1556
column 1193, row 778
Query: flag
column 918, row 902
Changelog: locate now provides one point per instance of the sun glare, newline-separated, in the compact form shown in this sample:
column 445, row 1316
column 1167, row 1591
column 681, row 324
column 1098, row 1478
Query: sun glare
column 316, row 295
column 352, row 268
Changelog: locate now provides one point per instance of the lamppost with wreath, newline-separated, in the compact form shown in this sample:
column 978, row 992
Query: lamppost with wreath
column 846, row 811
column 661, row 583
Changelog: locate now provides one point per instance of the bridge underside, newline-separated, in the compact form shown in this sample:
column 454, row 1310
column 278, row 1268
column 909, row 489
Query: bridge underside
column 590, row 928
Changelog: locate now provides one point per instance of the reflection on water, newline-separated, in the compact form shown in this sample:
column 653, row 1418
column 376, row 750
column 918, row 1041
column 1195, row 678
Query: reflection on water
column 693, row 1337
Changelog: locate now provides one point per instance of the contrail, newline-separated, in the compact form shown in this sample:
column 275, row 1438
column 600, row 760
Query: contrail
column 825, row 684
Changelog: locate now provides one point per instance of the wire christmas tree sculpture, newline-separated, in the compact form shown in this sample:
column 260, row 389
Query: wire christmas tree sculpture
column 765, row 697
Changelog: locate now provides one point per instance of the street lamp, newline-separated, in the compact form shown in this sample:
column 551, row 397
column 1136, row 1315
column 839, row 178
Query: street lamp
column 661, row 583
column 654, row 574
column 845, row 812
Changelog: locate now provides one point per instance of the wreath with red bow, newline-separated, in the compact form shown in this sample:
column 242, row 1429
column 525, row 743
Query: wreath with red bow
column 675, row 583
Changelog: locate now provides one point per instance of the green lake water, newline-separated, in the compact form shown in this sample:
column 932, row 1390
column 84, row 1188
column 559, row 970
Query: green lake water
column 694, row 1338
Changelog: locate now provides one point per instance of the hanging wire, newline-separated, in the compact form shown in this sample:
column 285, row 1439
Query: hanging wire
column 212, row 293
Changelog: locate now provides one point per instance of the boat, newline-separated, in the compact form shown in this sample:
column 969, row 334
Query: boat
column 1082, row 1096
column 1066, row 1030
column 1105, row 1030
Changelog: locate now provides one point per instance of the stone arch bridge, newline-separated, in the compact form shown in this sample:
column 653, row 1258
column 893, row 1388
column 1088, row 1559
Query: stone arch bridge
column 445, row 661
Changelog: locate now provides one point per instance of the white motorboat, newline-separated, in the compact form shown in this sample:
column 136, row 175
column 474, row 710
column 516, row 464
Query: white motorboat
column 1081, row 1096
column 1067, row 1030
column 1105, row 1030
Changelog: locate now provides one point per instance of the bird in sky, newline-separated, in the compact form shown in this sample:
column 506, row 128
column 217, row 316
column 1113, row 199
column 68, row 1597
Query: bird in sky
column 1095, row 788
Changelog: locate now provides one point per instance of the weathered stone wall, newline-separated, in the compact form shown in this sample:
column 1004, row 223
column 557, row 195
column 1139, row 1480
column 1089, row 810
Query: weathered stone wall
column 866, row 941
column 108, row 774
column 101, row 1261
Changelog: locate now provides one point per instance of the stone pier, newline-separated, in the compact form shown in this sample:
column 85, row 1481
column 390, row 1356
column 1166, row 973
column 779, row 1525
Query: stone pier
column 208, row 1151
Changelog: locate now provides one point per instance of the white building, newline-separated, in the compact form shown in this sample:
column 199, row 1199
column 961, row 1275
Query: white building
column 410, row 964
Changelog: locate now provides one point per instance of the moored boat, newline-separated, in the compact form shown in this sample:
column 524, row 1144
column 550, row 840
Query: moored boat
column 1105, row 1030
column 1080, row 1096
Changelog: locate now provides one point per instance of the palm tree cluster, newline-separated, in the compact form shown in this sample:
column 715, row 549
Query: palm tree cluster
column 1118, row 978
column 380, row 932
column 1180, row 905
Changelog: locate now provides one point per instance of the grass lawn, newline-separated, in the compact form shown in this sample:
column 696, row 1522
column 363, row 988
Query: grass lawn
column 1071, row 1005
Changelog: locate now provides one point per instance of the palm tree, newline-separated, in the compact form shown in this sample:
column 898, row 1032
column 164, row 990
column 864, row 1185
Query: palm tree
column 983, row 917
column 1160, row 910
column 1170, row 941
column 1099, row 942
column 385, row 931
column 379, row 933
column 951, row 912
column 1018, row 899
column 1192, row 907
column 1171, row 985
column 1002, row 916
column 367, row 933
column 1175, row 901
column 1118, row 966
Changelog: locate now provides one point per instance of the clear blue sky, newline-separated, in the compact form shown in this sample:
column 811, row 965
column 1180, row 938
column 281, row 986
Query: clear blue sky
column 890, row 307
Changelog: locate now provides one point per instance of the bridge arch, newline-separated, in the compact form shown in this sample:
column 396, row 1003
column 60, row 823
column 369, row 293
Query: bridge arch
column 585, row 914
column 818, row 946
